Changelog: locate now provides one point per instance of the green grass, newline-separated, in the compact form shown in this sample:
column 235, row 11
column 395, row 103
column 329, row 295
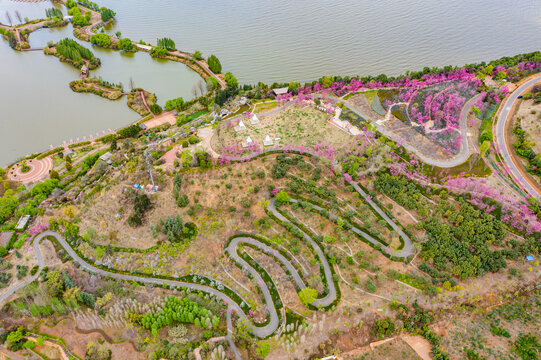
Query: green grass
column 195, row 115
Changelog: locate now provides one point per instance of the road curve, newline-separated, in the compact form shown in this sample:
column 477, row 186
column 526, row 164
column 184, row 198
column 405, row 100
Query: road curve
column 464, row 152
column 505, row 148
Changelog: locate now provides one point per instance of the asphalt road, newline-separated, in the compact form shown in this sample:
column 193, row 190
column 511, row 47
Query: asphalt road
column 504, row 147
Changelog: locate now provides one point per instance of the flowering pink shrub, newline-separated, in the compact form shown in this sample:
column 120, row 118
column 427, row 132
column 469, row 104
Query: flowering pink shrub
column 38, row 229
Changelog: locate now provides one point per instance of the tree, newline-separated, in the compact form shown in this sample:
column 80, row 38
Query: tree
column 53, row 174
column 263, row 350
column 8, row 204
column 307, row 295
column 106, row 14
column 174, row 104
column 370, row 286
column 71, row 231
column 384, row 327
column 55, row 283
column 114, row 145
column 282, row 197
column 214, row 64
column 484, row 147
column 156, row 109
column 129, row 131
column 15, row 336
column 212, row 84
column 231, row 80
column 86, row 299
column 158, row 52
column 197, row 55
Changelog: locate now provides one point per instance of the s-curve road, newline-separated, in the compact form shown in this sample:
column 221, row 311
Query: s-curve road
column 507, row 110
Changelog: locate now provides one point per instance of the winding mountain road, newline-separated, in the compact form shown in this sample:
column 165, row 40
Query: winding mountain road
column 507, row 110
column 232, row 250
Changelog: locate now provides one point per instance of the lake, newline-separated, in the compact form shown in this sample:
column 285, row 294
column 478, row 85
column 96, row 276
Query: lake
column 257, row 40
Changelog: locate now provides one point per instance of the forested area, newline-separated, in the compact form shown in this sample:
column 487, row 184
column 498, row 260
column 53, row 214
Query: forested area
column 462, row 240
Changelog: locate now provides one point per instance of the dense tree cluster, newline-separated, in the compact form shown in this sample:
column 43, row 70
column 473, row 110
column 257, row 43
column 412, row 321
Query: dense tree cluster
column 101, row 40
column 54, row 13
column 107, row 14
column 403, row 192
column 74, row 51
column 174, row 104
column 166, row 43
column 130, row 131
column 179, row 310
column 524, row 148
column 463, row 246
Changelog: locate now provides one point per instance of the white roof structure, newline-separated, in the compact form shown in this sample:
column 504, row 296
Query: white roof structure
column 254, row 120
column 281, row 91
column 240, row 127
column 249, row 140
column 23, row 220
column 107, row 158
column 268, row 141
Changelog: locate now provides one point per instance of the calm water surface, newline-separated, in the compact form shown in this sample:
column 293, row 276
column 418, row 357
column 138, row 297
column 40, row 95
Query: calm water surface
column 256, row 40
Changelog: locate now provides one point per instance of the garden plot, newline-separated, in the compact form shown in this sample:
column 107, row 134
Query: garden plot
column 294, row 126
column 433, row 111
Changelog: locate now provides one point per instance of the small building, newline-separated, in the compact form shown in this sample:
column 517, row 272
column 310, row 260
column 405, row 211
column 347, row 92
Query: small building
column 529, row 258
column 254, row 120
column 243, row 100
column 240, row 127
column 23, row 221
column 268, row 141
column 84, row 71
column 224, row 112
column 248, row 142
column 280, row 91
column 5, row 237
column 107, row 158
column 67, row 152
column 143, row 126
